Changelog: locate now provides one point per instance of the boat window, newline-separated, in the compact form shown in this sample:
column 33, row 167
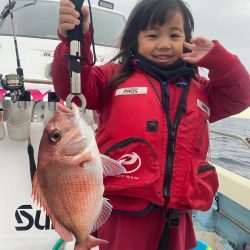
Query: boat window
column 40, row 21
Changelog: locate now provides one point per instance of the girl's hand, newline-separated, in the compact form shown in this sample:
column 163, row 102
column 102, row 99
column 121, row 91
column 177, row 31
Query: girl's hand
column 68, row 17
column 199, row 47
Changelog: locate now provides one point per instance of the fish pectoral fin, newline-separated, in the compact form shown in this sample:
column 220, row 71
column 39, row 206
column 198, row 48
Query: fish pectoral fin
column 111, row 167
column 105, row 213
column 38, row 196
column 37, row 193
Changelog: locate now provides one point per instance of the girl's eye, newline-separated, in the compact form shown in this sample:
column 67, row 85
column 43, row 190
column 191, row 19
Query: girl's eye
column 175, row 35
column 152, row 36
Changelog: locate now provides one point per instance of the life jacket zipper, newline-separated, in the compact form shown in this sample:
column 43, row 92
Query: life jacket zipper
column 172, row 131
column 170, row 156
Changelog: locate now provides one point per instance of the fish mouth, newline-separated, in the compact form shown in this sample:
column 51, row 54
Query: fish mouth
column 63, row 109
column 71, row 114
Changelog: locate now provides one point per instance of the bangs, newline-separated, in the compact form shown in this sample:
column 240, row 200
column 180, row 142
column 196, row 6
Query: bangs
column 158, row 13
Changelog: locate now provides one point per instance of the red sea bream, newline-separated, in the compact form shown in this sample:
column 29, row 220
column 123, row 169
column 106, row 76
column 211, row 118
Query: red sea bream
column 68, row 182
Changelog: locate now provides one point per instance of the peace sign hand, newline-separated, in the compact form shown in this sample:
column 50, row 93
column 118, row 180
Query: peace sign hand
column 199, row 47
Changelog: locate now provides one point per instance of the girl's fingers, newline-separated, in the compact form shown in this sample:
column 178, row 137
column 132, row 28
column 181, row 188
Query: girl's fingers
column 189, row 59
column 66, row 23
column 197, row 40
column 69, row 17
column 64, row 28
column 67, row 3
column 64, row 18
column 202, row 42
column 189, row 46
column 69, row 11
column 185, row 55
column 85, row 27
column 85, row 13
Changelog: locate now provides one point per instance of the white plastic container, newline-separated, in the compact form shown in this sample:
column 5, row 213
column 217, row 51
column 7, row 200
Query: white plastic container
column 19, row 121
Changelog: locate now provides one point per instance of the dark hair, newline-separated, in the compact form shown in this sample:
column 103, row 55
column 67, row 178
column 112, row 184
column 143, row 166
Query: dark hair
column 145, row 14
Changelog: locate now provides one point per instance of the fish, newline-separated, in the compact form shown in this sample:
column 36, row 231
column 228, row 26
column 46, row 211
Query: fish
column 68, row 183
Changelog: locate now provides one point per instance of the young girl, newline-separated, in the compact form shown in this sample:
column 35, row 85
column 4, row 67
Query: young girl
column 154, row 112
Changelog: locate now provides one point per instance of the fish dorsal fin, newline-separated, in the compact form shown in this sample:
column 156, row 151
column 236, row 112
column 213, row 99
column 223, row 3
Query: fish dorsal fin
column 111, row 167
column 40, row 199
column 105, row 213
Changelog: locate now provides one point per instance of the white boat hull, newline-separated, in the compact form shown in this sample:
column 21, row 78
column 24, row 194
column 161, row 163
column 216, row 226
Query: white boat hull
column 23, row 224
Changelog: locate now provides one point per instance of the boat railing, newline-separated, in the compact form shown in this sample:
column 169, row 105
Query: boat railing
column 231, row 135
column 28, row 80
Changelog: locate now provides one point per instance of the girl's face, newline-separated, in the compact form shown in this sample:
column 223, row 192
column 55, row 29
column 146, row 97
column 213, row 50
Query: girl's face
column 163, row 44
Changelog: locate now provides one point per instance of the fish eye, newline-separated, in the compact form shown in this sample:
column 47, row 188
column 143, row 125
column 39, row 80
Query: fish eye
column 55, row 135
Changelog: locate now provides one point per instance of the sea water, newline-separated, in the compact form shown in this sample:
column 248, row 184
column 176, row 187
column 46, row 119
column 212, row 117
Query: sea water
column 231, row 153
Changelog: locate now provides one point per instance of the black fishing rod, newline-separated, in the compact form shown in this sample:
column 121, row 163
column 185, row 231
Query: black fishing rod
column 6, row 10
column 19, row 70
column 14, row 83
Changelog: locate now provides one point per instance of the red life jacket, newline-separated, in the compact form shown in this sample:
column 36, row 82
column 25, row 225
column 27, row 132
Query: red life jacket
column 164, row 155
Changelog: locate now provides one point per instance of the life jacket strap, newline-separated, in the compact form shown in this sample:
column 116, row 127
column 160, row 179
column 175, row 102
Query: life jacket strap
column 173, row 219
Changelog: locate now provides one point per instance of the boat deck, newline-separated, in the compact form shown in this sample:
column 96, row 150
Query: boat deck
column 212, row 239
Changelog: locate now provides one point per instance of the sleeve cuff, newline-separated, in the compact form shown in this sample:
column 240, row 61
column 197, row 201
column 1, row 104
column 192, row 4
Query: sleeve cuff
column 218, row 61
column 62, row 38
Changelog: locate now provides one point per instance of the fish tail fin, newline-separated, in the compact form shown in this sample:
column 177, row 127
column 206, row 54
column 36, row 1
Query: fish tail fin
column 90, row 243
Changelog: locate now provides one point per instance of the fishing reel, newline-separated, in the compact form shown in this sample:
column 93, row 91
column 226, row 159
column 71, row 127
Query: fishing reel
column 14, row 84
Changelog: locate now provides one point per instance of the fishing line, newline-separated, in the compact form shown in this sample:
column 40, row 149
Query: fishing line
column 92, row 35
column 25, row 5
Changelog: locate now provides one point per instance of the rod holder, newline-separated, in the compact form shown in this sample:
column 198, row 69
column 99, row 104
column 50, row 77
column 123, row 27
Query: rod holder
column 18, row 119
column 50, row 106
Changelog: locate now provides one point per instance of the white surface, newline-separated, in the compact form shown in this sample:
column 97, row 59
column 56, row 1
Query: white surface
column 15, row 186
column 234, row 186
